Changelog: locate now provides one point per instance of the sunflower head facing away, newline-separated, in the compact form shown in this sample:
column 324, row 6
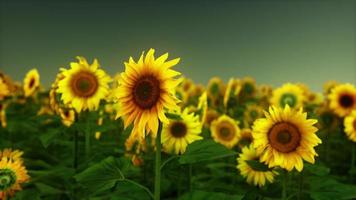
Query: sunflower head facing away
column 343, row 99
column 31, row 82
column 225, row 131
column 289, row 94
column 285, row 137
column 83, row 85
column 177, row 134
column 350, row 126
column 146, row 88
column 253, row 175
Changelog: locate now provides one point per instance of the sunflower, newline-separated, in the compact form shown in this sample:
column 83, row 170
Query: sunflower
column 285, row 137
column 232, row 90
column 12, row 175
column 245, row 137
column 14, row 156
column 215, row 87
column 328, row 86
column 146, row 88
column 248, row 87
column 225, row 130
column 202, row 107
column 83, row 85
column 327, row 118
column 4, row 90
column 350, row 126
column 31, row 82
column 251, row 113
column 343, row 99
column 177, row 134
column 210, row 116
column 67, row 116
column 288, row 94
column 254, row 176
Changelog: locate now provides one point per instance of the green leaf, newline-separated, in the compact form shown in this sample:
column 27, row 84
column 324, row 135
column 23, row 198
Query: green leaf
column 203, row 195
column 101, row 176
column 25, row 194
column 326, row 188
column 47, row 190
column 48, row 137
column 204, row 150
column 257, row 165
column 317, row 169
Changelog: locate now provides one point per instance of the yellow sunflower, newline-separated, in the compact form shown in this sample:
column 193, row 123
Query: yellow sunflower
column 254, row 176
column 178, row 134
column 4, row 90
column 67, row 116
column 12, row 175
column 285, row 137
column 232, row 90
column 248, row 87
column 350, row 126
column 245, row 137
column 288, row 94
column 202, row 107
column 215, row 87
column 328, row 86
column 31, row 82
column 251, row 113
column 83, row 85
column 14, row 156
column 343, row 99
column 225, row 131
column 146, row 89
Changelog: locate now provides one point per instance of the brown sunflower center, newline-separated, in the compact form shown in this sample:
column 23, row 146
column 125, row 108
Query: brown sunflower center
column 178, row 129
column 84, row 84
column 146, row 92
column 32, row 83
column 284, row 137
column 346, row 101
column 225, row 133
column 245, row 141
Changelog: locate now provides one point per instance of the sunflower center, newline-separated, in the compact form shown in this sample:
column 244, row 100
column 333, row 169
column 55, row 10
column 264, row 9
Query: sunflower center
column 248, row 88
column 84, row 84
column 7, row 179
column 346, row 101
column 289, row 99
column 225, row 133
column 178, row 129
column 32, row 83
column 146, row 92
column 245, row 141
column 284, row 137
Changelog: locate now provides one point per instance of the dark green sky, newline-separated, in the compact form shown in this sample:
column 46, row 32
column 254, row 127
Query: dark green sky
column 274, row 41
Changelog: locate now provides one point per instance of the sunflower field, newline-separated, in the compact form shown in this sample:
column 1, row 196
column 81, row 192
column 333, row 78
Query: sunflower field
column 151, row 133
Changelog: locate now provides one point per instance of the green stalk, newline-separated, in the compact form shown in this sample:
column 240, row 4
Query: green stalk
column 300, row 191
column 157, row 193
column 75, row 162
column 87, row 140
column 353, row 160
column 190, row 168
column 284, row 186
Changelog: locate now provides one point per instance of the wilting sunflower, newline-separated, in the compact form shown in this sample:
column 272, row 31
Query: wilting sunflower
column 350, row 126
column 146, row 89
column 67, row 116
column 245, row 137
column 225, row 130
column 254, row 176
column 4, row 90
column 177, row 134
column 83, row 85
column 343, row 99
column 232, row 90
column 285, row 137
column 288, row 94
column 31, row 82
column 12, row 175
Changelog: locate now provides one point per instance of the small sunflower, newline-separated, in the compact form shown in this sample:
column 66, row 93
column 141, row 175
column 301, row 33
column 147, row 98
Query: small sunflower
column 225, row 130
column 327, row 118
column 288, row 94
column 215, row 87
column 12, row 175
column 146, row 89
column 285, row 137
column 31, row 82
column 343, row 99
column 350, row 126
column 232, row 90
column 83, row 85
column 4, row 90
column 67, row 116
column 245, row 137
column 178, row 134
column 251, row 113
column 254, row 176
column 248, row 87
column 210, row 116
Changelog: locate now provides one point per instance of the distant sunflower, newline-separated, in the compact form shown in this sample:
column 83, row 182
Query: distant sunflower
column 248, row 87
column 245, row 137
column 12, row 175
column 232, row 90
column 210, row 116
column 251, row 113
column 177, row 134
column 225, row 130
column 343, row 99
column 288, row 94
column 350, row 126
column 327, row 119
column 254, row 176
column 84, row 85
column 67, row 116
column 146, row 89
column 31, row 82
column 328, row 86
column 215, row 87
column 285, row 137
column 202, row 107
column 4, row 90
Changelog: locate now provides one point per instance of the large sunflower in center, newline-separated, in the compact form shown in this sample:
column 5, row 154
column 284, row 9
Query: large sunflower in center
column 145, row 89
column 285, row 137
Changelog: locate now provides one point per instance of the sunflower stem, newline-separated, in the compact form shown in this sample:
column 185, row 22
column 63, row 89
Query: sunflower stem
column 87, row 139
column 190, row 168
column 75, row 161
column 353, row 160
column 284, row 186
column 300, row 191
column 157, row 193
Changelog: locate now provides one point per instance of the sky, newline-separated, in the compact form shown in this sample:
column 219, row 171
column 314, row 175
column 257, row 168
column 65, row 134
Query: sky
column 309, row 41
